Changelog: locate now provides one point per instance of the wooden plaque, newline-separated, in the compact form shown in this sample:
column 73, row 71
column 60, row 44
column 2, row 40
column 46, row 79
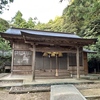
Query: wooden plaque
column 22, row 57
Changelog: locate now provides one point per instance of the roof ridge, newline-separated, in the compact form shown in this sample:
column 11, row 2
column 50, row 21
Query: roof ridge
column 43, row 31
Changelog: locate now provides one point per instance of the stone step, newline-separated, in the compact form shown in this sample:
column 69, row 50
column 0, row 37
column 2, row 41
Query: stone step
column 65, row 92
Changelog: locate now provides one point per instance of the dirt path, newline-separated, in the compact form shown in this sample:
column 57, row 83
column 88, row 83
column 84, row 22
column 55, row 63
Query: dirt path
column 4, row 95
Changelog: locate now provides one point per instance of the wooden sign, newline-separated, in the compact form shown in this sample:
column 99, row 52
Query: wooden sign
column 22, row 57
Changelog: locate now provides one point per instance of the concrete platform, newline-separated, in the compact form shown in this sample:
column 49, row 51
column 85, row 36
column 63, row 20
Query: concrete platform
column 27, row 80
column 65, row 92
column 3, row 75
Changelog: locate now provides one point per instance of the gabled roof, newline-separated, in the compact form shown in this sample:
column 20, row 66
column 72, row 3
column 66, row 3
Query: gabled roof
column 46, row 37
column 17, row 31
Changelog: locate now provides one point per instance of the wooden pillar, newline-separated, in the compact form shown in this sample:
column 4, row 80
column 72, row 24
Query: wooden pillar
column 59, row 63
column 85, row 63
column 67, row 60
column 33, row 63
column 12, row 62
column 78, row 67
column 43, row 63
column 50, row 64
column 56, row 66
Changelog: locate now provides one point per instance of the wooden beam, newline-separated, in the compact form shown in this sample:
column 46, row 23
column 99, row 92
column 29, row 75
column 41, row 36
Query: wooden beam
column 21, row 49
column 28, row 42
column 60, row 43
column 33, row 63
column 22, row 70
column 78, row 67
column 56, row 49
column 43, row 38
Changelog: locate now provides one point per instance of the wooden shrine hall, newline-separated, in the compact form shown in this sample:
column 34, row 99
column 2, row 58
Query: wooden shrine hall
column 44, row 53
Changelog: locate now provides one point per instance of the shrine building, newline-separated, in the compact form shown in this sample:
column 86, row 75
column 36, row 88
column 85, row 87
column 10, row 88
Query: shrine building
column 46, row 53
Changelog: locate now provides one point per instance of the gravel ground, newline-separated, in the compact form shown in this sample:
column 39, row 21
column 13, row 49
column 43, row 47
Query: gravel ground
column 87, row 92
column 4, row 95
column 85, row 89
column 26, row 89
column 87, row 86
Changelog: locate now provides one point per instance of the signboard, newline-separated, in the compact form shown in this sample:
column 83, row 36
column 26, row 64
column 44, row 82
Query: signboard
column 22, row 57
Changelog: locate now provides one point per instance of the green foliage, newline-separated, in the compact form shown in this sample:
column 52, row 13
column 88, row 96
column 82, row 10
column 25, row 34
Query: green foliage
column 4, row 4
column 53, row 25
column 56, row 25
column 93, row 31
column 75, row 19
column 4, row 25
column 79, row 14
column 19, row 22
column 5, row 60
column 40, row 26
column 83, row 18
column 4, row 45
column 30, row 23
